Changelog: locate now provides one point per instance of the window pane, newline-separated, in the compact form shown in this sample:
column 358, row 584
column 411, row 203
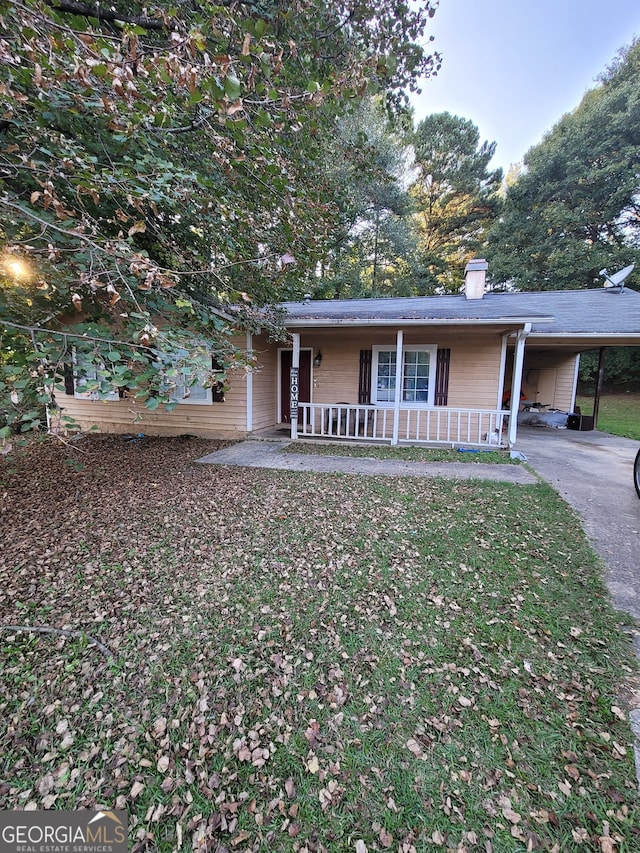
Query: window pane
column 184, row 393
column 415, row 377
column 90, row 374
column 386, row 387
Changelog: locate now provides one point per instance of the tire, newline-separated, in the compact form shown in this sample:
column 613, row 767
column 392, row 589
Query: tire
column 636, row 473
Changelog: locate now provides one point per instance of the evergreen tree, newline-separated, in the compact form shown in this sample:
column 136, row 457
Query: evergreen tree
column 576, row 207
column 456, row 196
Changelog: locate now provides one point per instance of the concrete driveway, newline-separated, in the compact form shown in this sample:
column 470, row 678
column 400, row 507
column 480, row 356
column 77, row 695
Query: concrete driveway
column 593, row 471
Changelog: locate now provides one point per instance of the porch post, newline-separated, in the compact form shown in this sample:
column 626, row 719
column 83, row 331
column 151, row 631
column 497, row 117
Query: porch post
column 600, row 380
column 398, row 393
column 574, row 389
column 516, row 382
column 294, row 385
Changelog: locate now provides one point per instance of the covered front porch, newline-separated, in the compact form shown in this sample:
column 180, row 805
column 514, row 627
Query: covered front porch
column 408, row 392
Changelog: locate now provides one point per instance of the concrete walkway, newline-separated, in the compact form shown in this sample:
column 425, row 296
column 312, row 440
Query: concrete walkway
column 269, row 454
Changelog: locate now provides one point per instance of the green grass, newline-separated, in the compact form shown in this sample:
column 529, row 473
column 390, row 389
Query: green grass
column 404, row 454
column 619, row 414
column 305, row 661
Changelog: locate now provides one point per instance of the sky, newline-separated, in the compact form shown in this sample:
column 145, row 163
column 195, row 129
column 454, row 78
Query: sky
column 515, row 67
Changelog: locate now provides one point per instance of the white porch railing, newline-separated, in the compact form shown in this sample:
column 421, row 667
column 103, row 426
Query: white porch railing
column 437, row 425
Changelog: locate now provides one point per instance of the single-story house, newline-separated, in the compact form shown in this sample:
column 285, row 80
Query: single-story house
column 451, row 370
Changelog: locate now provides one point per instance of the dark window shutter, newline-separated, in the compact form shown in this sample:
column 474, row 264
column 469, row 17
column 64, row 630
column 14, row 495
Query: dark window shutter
column 69, row 383
column 364, row 387
column 217, row 390
column 442, row 377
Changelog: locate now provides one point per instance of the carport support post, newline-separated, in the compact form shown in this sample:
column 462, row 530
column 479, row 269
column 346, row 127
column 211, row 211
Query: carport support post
column 600, row 380
column 294, row 385
column 516, row 382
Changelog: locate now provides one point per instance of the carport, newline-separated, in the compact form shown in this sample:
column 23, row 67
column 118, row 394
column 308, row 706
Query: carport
column 582, row 321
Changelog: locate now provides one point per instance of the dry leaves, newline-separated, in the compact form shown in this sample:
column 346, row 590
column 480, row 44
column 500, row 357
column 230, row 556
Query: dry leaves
column 260, row 689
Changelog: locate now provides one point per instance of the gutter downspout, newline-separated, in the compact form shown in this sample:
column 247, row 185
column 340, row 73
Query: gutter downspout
column 398, row 393
column 294, row 385
column 516, row 383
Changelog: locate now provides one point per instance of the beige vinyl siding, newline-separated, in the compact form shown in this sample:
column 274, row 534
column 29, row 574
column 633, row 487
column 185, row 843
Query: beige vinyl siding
column 473, row 371
column 215, row 420
column 265, row 384
column 565, row 383
column 548, row 379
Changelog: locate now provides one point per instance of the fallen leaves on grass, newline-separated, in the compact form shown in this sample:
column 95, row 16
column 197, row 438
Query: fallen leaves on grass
column 308, row 662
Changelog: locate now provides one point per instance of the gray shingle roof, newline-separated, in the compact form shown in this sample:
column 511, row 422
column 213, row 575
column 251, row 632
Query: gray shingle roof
column 573, row 312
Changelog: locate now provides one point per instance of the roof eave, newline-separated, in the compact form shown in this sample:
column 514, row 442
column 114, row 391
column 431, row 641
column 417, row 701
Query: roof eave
column 601, row 336
column 317, row 322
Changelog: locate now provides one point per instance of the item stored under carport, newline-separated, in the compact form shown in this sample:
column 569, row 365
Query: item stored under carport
column 583, row 423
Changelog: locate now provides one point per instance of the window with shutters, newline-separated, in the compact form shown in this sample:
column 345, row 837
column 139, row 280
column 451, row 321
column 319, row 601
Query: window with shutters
column 178, row 378
column 417, row 376
column 87, row 379
column 179, row 390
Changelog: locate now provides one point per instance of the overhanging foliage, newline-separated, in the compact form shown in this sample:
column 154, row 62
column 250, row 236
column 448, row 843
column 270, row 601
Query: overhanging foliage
column 160, row 161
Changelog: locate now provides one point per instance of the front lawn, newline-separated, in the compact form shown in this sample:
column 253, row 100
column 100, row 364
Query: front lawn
column 307, row 662
column 619, row 414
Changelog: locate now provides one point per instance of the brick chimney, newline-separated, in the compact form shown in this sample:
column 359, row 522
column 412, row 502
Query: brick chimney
column 475, row 274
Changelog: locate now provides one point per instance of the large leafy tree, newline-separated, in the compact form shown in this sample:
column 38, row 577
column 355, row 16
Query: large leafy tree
column 576, row 207
column 161, row 163
column 456, row 196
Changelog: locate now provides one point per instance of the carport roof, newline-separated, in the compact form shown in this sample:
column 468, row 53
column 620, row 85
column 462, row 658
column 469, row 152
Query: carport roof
column 594, row 316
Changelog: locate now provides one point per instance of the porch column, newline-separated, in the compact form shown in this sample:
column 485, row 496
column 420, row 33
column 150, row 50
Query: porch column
column 294, row 385
column 398, row 393
column 596, row 398
column 574, row 389
column 516, row 382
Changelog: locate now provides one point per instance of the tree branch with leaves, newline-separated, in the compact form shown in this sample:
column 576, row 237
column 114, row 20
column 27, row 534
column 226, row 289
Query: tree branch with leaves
column 158, row 161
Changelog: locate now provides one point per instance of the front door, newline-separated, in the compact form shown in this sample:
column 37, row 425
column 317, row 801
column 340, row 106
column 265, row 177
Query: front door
column 304, row 380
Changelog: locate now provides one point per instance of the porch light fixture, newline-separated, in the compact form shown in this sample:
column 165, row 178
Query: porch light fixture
column 317, row 361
